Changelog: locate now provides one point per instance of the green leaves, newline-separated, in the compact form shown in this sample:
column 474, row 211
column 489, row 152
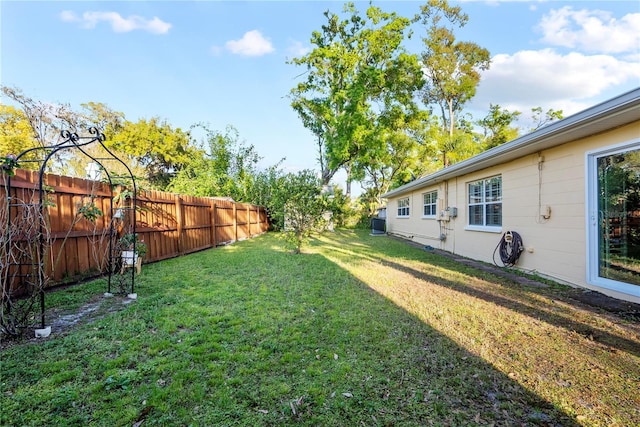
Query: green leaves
column 357, row 73
column 157, row 146
column 16, row 134
column 8, row 164
column 225, row 166
column 498, row 127
column 452, row 67
column 90, row 212
column 303, row 207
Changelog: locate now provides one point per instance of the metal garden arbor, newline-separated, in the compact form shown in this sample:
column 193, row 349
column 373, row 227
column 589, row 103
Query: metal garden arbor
column 27, row 240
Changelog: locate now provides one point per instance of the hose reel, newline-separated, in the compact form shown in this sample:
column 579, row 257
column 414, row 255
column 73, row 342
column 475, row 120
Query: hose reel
column 510, row 247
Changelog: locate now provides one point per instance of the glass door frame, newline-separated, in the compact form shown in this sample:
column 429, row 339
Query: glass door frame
column 592, row 219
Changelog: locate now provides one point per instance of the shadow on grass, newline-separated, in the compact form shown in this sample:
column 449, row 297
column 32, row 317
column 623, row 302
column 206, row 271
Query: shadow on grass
column 602, row 336
column 426, row 373
column 614, row 341
column 253, row 336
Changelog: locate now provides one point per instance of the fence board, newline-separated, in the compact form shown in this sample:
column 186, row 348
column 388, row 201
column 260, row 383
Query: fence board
column 169, row 224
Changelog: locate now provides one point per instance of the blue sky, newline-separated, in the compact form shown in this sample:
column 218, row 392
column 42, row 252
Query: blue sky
column 225, row 63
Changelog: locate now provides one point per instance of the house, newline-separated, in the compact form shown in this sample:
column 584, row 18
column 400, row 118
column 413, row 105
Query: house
column 570, row 191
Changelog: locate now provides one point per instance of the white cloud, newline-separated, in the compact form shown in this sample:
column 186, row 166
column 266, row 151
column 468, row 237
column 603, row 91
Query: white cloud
column 548, row 79
column 253, row 43
column 297, row 49
column 589, row 54
column 89, row 20
column 68, row 16
column 591, row 30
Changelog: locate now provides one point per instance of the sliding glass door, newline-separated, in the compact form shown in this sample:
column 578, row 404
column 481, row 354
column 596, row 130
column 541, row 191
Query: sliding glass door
column 614, row 218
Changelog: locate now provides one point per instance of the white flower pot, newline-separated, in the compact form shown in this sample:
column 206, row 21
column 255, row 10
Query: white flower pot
column 129, row 258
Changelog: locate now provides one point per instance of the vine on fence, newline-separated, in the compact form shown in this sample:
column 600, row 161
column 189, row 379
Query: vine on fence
column 9, row 164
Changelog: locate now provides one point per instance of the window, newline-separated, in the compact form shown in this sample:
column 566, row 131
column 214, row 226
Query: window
column 485, row 202
column 429, row 204
column 403, row 207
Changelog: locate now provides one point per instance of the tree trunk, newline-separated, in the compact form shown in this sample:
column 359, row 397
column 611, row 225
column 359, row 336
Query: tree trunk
column 445, row 160
column 348, row 190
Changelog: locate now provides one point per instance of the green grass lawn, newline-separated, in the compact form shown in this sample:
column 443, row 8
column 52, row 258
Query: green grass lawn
column 357, row 330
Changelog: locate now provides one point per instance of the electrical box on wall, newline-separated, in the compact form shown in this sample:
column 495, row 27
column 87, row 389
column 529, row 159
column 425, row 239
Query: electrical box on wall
column 448, row 213
column 545, row 211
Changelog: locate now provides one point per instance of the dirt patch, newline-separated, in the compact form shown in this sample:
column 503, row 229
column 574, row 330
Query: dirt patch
column 625, row 309
column 64, row 321
column 87, row 313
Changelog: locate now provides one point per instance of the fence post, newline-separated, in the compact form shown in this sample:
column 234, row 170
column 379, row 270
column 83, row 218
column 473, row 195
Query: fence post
column 180, row 222
column 213, row 223
column 235, row 221
column 248, row 220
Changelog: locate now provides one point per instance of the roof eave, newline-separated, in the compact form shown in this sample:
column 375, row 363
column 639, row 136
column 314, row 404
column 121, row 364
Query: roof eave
column 626, row 109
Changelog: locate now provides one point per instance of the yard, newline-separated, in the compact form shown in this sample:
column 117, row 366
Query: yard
column 358, row 330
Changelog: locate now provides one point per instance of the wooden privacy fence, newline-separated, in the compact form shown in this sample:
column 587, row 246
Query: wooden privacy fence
column 170, row 224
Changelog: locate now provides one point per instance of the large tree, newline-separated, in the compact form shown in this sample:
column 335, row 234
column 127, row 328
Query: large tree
column 153, row 150
column 358, row 79
column 33, row 123
column 452, row 68
column 154, row 145
column 497, row 126
column 108, row 121
column 224, row 166
column 403, row 153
